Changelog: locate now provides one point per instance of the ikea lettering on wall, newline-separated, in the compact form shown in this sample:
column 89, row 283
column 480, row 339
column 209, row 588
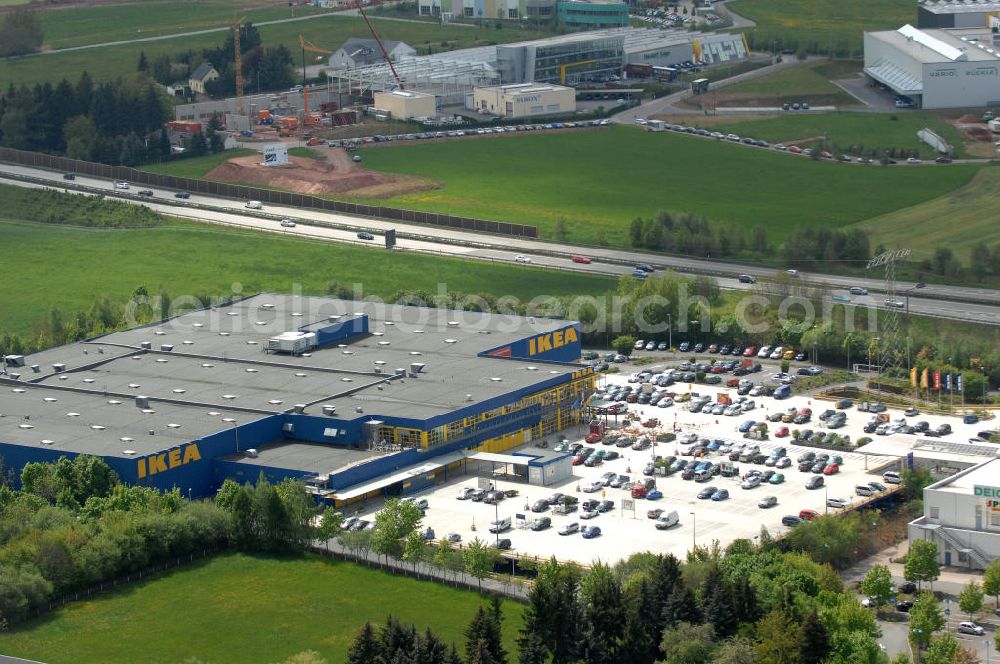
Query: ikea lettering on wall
column 543, row 343
column 161, row 463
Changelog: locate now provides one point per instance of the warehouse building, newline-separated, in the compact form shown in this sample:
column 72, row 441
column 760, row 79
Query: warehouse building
column 592, row 14
column 405, row 104
column 960, row 14
column 934, row 68
column 522, row 100
column 663, row 49
column 340, row 394
column 962, row 516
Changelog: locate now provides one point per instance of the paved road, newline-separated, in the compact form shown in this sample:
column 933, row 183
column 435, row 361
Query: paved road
column 608, row 261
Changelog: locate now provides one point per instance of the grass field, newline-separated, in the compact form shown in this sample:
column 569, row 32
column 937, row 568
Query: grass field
column 827, row 23
column 872, row 130
column 808, row 82
column 240, row 608
column 188, row 258
column 196, row 167
column 328, row 32
column 604, row 179
column 957, row 220
column 150, row 18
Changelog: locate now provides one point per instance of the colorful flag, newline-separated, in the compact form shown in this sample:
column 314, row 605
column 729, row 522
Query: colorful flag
column 946, row 381
column 937, row 380
column 923, row 378
column 913, row 377
column 958, row 383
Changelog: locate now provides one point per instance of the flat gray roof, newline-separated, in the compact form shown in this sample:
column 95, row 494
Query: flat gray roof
column 310, row 457
column 217, row 363
column 935, row 46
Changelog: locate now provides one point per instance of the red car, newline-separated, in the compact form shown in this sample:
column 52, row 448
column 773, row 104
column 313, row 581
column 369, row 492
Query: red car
column 808, row 515
column 826, row 155
column 781, row 433
column 831, row 469
column 632, row 398
column 733, row 382
column 592, row 438
column 717, row 369
column 579, row 459
column 795, row 149
column 650, row 423
column 805, row 411
column 580, row 259
column 639, row 491
column 750, row 351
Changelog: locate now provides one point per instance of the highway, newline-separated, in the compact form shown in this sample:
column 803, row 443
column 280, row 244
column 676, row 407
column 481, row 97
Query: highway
column 951, row 302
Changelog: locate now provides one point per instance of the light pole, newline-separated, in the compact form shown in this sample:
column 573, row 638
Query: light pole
column 670, row 332
column 496, row 515
column 694, row 530
column 826, row 498
column 236, row 431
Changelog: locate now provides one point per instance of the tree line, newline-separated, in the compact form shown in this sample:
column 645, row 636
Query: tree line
column 114, row 122
column 692, row 235
column 808, row 246
column 73, row 524
column 20, row 33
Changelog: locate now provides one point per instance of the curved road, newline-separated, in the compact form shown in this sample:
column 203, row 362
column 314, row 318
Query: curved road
column 980, row 305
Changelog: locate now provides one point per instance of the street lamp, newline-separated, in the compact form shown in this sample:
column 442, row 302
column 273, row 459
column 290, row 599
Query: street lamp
column 694, row 530
column 236, row 431
column 670, row 332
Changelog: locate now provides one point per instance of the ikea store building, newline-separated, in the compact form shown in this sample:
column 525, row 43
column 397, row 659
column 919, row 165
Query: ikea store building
column 358, row 399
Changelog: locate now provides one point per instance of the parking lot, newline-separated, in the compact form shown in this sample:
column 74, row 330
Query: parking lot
column 625, row 531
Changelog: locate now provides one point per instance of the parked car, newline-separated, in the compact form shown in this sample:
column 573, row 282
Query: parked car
column 836, row 502
column 590, row 532
column 541, row 523
column 790, row 520
column 767, row 502
column 808, row 515
column 904, row 606
column 965, row 627
column 815, row 482
column 365, row 235
column 570, row 529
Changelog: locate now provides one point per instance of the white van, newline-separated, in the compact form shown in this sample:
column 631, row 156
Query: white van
column 255, row 205
column 892, row 477
column 668, row 519
column 864, row 490
column 500, row 525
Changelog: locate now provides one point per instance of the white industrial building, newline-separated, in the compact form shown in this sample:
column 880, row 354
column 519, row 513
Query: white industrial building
column 522, row 100
column 962, row 516
column 961, row 14
column 935, row 68
column 405, row 104
column 360, row 52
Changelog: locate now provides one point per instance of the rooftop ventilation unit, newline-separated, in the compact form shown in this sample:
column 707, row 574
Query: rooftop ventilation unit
column 59, row 366
column 468, row 397
column 147, row 345
column 378, row 370
column 358, row 409
column 35, row 368
column 288, row 427
column 15, row 376
column 14, row 360
column 166, row 348
column 416, row 367
column 453, row 323
column 400, row 371
column 142, row 402
column 330, row 410
column 299, row 408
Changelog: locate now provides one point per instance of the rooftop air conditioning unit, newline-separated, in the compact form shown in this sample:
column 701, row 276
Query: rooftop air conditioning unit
column 142, row 402
column 166, row 348
column 59, row 366
column 400, row 371
column 299, row 408
column 330, row 410
column 147, row 345
column 14, row 360
column 416, row 367
column 35, row 368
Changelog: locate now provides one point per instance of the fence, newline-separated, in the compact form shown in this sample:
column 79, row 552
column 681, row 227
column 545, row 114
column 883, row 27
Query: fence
column 242, row 192
column 59, row 602
column 496, row 583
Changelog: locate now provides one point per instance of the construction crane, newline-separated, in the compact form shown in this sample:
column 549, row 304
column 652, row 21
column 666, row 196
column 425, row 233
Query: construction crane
column 378, row 40
column 312, row 48
column 237, row 28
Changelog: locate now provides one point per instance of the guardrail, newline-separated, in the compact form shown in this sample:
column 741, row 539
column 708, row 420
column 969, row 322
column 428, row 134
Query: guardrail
column 271, row 196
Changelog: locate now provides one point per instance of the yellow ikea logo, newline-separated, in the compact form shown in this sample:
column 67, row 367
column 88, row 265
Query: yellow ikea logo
column 543, row 343
column 161, row 463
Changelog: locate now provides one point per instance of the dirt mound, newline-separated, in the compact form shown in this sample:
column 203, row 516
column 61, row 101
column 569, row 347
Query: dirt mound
column 969, row 118
column 333, row 173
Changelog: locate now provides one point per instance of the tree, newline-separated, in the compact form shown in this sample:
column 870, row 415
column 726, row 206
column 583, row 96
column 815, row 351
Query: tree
column 680, row 606
column 479, row 559
column 979, row 260
column 393, row 524
column 942, row 650
column 143, row 64
column 624, row 345
column 484, row 633
column 80, row 135
column 20, row 33
column 554, row 613
column 815, row 644
column 688, row 644
column 877, row 584
column 330, row 525
column 922, row 562
column 926, row 618
column 531, row 649
column 970, row 600
column 603, row 604
column 414, row 548
column 779, row 639
column 737, row 650
column 991, row 580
